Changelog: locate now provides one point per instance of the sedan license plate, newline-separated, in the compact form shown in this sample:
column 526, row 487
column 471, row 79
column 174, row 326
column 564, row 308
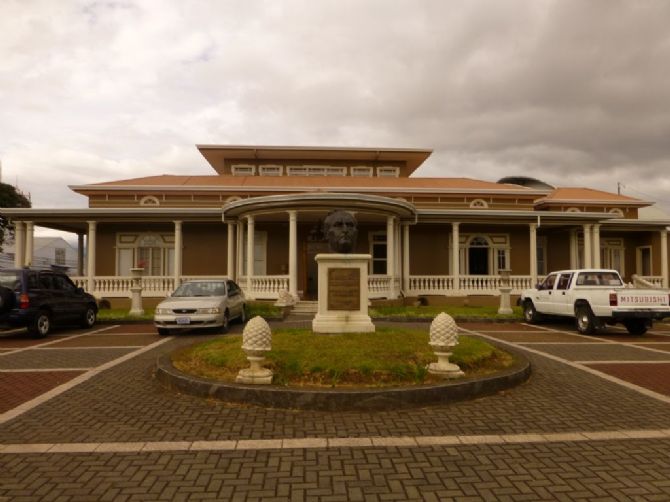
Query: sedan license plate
column 183, row 320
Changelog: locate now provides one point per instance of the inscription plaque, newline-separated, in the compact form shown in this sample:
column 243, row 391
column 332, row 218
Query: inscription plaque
column 344, row 289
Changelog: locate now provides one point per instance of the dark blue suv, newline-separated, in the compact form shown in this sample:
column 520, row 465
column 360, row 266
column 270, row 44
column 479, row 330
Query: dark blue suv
column 41, row 299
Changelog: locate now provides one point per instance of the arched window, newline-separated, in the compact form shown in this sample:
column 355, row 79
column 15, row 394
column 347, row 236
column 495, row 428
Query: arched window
column 617, row 211
column 149, row 200
column 479, row 203
column 573, row 210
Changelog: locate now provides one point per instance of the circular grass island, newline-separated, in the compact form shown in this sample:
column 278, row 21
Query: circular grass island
column 380, row 370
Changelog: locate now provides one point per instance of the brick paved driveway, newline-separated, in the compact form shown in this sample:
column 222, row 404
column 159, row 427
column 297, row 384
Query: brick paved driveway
column 81, row 418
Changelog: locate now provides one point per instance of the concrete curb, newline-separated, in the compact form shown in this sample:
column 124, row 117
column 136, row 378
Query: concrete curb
column 344, row 399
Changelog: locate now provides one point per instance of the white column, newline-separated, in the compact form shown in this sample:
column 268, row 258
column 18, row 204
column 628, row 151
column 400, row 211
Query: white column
column 595, row 238
column 390, row 254
column 532, row 227
column 574, row 249
column 80, row 255
column 19, row 243
column 398, row 253
column 30, row 234
column 664, row 257
column 455, row 255
column 90, row 265
column 178, row 248
column 239, row 261
column 293, row 254
column 230, row 258
column 588, row 246
column 250, row 252
column 405, row 258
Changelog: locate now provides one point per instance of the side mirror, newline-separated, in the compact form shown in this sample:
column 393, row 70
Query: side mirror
column 539, row 286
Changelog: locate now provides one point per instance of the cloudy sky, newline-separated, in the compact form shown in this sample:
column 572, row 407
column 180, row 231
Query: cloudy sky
column 576, row 93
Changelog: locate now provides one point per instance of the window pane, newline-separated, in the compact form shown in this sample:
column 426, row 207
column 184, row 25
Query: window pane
column 379, row 267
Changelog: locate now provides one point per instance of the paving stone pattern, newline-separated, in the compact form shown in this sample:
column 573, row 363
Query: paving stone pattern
column 125, row 404
column 635, row 470
column 651, row 376
column 16, row 388
column 61, row 358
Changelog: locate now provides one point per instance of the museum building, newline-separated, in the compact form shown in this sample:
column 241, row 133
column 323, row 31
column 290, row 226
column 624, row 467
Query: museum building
column 258, row 220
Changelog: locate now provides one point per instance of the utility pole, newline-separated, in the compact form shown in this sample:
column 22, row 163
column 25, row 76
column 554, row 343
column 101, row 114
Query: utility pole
column 618, row 188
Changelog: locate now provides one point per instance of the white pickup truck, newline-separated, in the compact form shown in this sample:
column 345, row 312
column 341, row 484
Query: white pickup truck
column 595, row 297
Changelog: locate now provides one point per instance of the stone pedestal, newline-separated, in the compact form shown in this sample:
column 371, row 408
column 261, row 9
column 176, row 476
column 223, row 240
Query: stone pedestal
column 255, row 374
column 505, row 306
column 505, row 290
column 443, row 367
column 343, row 294
column 136, row 292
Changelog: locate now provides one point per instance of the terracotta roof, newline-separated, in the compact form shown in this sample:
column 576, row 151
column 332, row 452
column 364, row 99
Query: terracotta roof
column 566, row 195
column 312, row 182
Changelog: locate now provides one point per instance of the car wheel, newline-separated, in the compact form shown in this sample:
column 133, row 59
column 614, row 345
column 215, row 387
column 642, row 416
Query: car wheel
column 585, row 320
column 636, row 326
column 531, row 315
column 41, row 324
column 89, row 318
column 163, row 331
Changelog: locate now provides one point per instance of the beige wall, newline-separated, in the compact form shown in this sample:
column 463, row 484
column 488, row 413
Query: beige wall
column 429, row 249
column 205, row 249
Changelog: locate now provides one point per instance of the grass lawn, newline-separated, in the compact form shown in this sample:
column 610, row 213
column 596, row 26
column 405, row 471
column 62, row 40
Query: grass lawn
column 388, row 357
column 408, row 312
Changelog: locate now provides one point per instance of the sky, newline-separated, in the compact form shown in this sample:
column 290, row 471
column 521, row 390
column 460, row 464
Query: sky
column 574, row 93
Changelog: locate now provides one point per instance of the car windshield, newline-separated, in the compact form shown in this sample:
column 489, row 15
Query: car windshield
column 204, row 288
column 10, row 280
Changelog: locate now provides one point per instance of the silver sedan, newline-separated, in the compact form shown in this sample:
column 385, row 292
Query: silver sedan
column 201, row 304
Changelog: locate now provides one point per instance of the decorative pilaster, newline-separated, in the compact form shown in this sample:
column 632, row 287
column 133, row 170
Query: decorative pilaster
column 250, row 253
column 588, row 246
column 80, row 255
column 574, row 249
column 532, row 230
column 595, row 238
column 90, row 263
column 178, row 249
column 293, row 254
column 30, row 235
column 405, row 258
column 239, row 243
column 230, row 259
column 390, row 254
column 19, row 243
column 455, row 255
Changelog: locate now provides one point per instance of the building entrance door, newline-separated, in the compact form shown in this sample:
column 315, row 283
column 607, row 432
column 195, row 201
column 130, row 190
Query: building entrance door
column 478, row 261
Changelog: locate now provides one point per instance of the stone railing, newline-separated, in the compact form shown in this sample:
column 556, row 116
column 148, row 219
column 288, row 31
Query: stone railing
column 467, row 284
column 264, row 286
column 647, row 281
column 379, row 286
column 119, row 286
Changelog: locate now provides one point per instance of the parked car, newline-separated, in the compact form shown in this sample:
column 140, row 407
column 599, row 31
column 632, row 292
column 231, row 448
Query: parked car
column 42, row 299
column 595, row 297
column 209, row 303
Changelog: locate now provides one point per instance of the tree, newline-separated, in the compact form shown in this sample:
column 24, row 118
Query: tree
column 9, row 197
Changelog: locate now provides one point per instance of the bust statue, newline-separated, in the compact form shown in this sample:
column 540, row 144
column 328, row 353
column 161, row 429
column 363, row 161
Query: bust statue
column 341, row 231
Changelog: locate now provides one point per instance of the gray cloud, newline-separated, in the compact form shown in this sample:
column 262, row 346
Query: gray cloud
column 571, row 92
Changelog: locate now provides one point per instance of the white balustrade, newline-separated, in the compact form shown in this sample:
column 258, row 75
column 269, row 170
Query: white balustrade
column 379, row 286
column 656, row 280
column 467, row 284
column 266, row 286
column 269, row 286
